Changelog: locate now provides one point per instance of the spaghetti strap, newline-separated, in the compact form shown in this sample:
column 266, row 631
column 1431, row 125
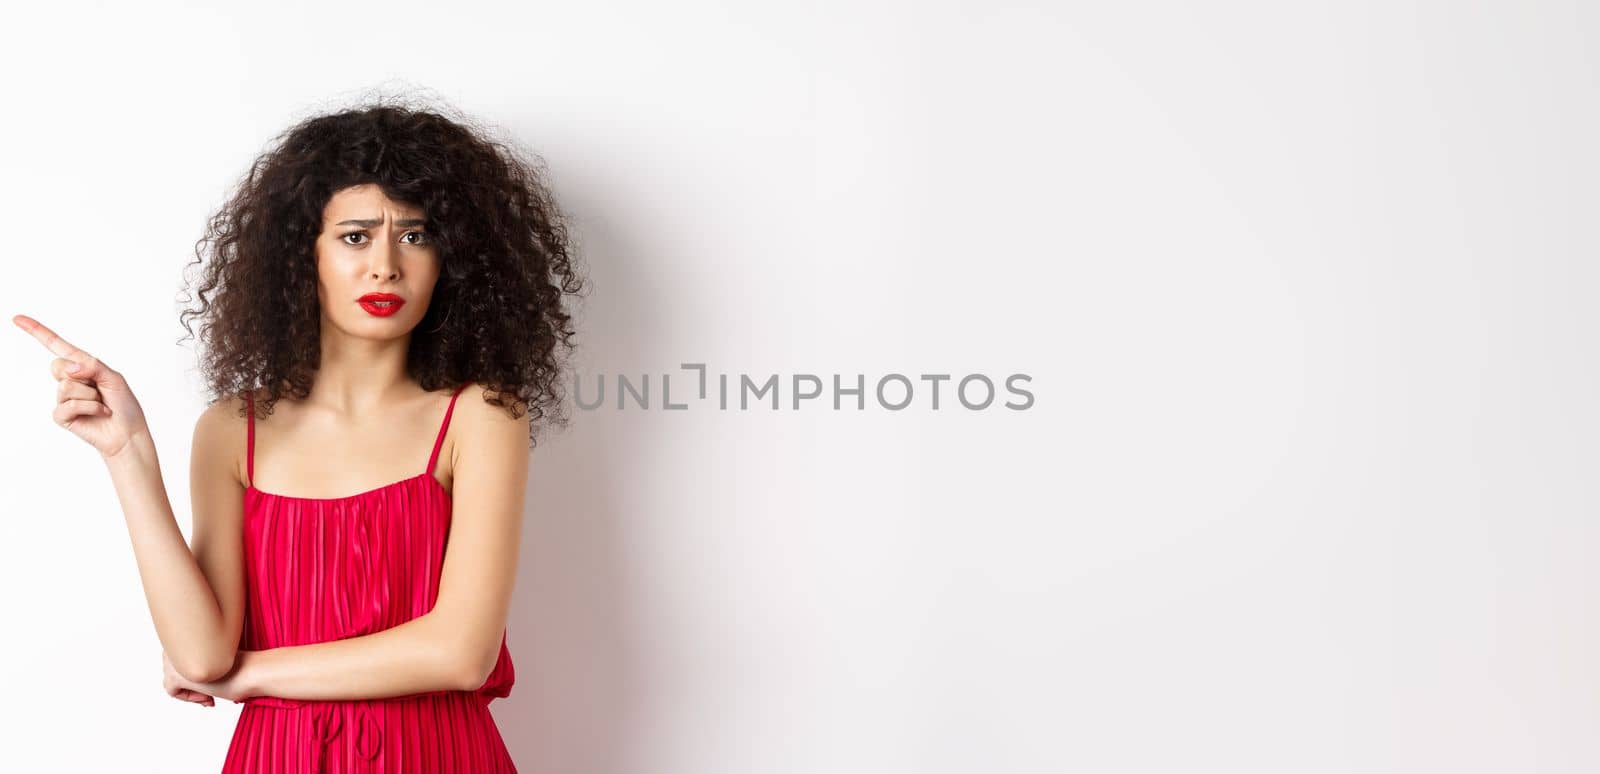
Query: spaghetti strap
column 250, row 443
column 443, row 426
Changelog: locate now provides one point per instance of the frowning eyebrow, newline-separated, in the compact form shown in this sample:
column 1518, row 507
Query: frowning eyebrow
column 376, row 221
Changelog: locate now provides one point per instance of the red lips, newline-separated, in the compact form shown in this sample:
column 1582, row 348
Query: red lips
column 381, row 304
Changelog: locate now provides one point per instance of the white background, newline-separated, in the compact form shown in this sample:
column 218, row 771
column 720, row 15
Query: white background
column 1305, row 290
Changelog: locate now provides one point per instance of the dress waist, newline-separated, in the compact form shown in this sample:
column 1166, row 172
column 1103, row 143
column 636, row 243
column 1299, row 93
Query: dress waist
column 484, row 695
column 364, row 722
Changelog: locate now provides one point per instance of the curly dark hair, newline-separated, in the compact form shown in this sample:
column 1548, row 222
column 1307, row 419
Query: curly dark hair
column 506, row 259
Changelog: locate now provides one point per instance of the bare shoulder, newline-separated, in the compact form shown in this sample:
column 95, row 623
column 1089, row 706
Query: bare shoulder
column 220, row 435
column 224, row 416
column 483, row 432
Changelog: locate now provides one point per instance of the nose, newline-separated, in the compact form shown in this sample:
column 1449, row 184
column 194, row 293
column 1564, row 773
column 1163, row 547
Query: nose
column 384, row 266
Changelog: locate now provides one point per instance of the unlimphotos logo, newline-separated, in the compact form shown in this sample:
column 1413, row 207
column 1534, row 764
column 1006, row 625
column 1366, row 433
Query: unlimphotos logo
column 893, row 391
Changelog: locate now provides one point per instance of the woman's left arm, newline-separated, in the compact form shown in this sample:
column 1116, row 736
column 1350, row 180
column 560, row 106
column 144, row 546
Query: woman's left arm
column 455, row 645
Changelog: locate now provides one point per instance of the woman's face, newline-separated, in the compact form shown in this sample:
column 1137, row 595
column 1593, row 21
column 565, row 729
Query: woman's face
column 371, row 249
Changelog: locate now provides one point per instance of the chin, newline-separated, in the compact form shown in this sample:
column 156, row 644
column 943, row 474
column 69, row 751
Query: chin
column 376, row 328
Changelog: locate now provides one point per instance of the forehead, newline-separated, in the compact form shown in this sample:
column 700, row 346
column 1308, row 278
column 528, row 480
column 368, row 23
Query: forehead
column 366, row 202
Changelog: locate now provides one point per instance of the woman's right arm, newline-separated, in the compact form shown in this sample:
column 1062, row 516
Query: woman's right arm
column 196, row 598
column 195, row 592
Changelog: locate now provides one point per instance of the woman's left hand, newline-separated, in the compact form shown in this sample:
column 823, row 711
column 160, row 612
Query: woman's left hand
column 178, row 687
column 230, row 686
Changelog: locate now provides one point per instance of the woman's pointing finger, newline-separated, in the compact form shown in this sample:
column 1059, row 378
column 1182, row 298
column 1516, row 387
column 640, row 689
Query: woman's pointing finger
column 47, row 337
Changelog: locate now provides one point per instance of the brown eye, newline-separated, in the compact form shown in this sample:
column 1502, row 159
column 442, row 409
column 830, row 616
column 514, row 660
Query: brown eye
column 422, row 237
column 352, row 234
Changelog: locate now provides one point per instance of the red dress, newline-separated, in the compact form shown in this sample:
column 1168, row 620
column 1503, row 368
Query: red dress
column 321, row 569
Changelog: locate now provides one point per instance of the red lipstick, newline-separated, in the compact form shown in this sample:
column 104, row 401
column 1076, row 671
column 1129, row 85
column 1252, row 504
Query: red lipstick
column 381, row 304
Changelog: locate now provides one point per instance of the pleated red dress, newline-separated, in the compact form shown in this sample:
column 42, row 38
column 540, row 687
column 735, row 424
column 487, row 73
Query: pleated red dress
column 321, row 569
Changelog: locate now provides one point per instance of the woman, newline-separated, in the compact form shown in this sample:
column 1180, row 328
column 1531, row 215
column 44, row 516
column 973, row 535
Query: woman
column 373, row 264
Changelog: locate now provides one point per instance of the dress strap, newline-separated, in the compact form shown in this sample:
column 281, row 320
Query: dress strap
column 443, row 426
column 250, row 442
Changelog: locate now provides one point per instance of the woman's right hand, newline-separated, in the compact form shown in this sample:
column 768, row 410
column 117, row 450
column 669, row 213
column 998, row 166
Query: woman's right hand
column 94, row 402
